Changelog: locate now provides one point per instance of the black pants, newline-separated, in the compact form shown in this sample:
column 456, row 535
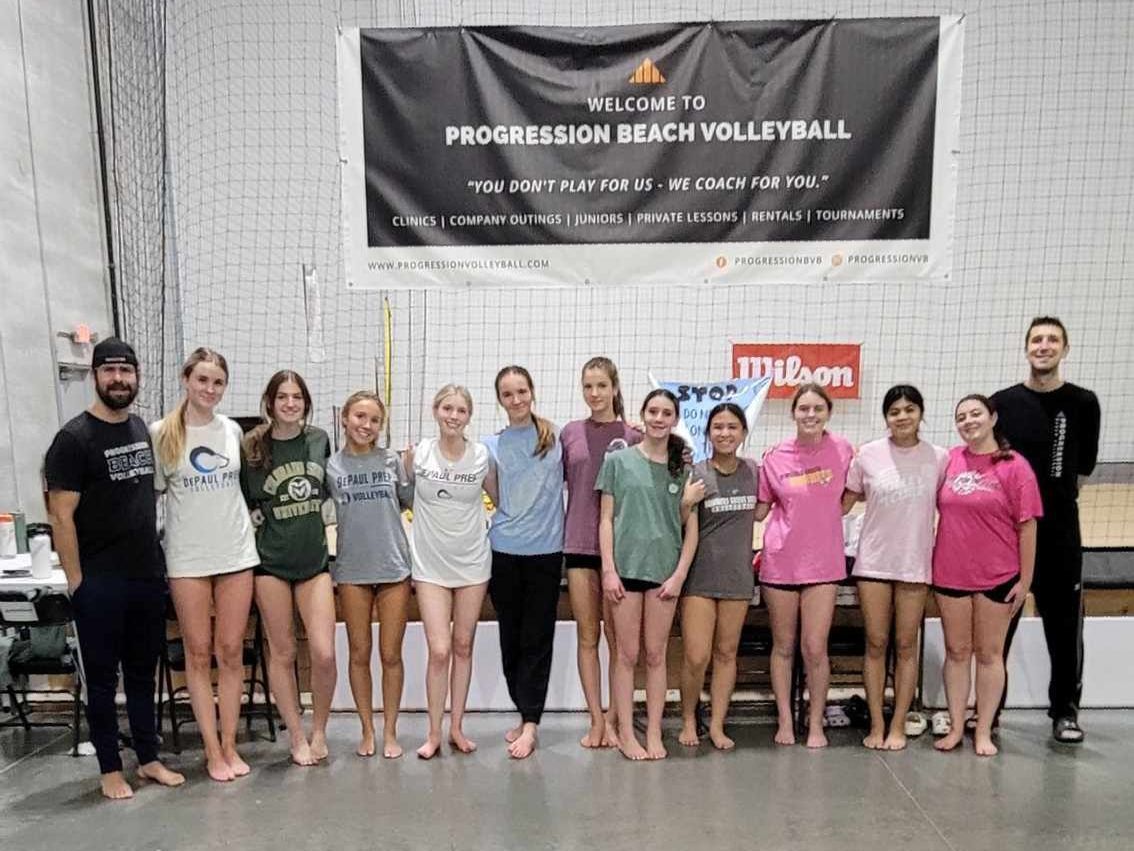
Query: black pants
column 525, row 593
column 1058, row 590
column 120, row 622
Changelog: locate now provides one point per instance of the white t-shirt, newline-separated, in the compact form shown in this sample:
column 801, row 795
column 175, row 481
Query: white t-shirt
column 449, row 532
column 900, row 485
column 207, row 527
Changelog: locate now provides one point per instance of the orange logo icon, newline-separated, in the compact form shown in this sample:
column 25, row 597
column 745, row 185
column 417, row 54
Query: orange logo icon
column 721, row 261
column 647, row 72
column 837, row 260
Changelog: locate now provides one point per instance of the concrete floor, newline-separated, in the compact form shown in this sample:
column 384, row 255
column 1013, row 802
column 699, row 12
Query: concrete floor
column 1035, row 795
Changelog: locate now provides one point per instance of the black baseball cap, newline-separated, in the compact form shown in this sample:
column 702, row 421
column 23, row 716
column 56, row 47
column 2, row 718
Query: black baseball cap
column 113, row 350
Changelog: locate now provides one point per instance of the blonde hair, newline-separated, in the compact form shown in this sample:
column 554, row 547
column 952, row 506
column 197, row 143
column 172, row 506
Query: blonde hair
column 453, row 390
column 170, row 437
column 545, row 434
column 364, row 396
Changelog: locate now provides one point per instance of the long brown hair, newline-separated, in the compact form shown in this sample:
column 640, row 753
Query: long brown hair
column 170, row 438
column 607, row 366
column 258, row 442
column 674, row 446
column 545, row 433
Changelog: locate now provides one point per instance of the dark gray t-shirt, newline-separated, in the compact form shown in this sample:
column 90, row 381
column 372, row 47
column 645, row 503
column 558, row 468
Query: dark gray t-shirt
column 722, row 568
column 369, row 492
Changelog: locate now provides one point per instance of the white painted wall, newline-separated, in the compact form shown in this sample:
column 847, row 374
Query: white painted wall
column 51, row 233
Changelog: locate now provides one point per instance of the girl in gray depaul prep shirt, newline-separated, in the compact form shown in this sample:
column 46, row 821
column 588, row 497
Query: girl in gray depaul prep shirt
column 370, row 489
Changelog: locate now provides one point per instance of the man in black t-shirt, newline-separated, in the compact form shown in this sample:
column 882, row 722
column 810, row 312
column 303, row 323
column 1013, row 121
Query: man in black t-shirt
column 1055, row 425
column 100, row 483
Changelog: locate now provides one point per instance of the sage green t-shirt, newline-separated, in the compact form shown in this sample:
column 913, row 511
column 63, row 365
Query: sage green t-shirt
column 289, row 494
column 647, row 514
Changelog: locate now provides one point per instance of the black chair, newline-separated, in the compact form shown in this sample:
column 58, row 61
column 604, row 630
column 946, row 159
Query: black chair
column 22, row 614
column 170, row 699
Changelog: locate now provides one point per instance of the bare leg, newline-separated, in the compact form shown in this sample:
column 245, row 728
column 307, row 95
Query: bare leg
column 698, row 620
column 277, row 613
column 876, row 601
column 357, row 603
column 730, row 621
column 315, row 598
column 610, row 731
column 628, row 623
column 585, row 592
column 957, row 624
column 990, row 628
column 436, row 605
column 467, row 604
column 393, row 610
column 657, row 622
column 193, row 597
column 783, row 613
column 909, row 611
column 816, row 611
column 232, row 600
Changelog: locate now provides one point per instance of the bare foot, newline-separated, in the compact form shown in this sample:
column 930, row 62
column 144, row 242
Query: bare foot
column 461, row 742
column 655, row 748
column 610, row 733
column 366, row 744
column 115, row 787
column 319, row 746
column 785, row 733
column 158, row 773
column 896, row 741
column 514, row 733
column 596, row 736
column 688, row 735
column 391, row 749
column 875, row 739
column 720, row 741
column 816, row 738
column 430, row 749
column 239, row 766
column 947, row 743
column 219, row 769
column 982, row 743
column 524, row 746
column 631, row 748
column 301, row 753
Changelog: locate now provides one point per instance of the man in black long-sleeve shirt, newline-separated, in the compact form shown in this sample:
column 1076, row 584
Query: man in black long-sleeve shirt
column 1055, row 425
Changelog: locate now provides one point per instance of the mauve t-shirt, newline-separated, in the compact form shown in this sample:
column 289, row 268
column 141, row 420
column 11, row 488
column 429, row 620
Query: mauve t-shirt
column 585, row 445
column 981, row 503
column 803, row 538
column 900, row 486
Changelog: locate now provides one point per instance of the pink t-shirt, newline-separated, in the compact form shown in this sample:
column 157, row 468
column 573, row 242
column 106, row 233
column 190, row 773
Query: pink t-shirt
column 981, row 503
column 900, row 485
column 585, row 445
column 803, row 538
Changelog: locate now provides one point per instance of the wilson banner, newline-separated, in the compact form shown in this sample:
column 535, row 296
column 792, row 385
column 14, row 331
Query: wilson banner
column 695, row 153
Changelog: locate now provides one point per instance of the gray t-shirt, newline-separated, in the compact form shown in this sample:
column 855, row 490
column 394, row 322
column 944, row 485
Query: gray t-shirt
column 369, row 492
column 722, row 568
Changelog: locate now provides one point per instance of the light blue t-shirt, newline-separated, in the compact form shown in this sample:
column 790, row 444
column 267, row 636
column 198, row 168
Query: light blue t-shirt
column 529, row 517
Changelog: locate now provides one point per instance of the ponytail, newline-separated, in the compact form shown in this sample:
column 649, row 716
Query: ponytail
column 618, row 404
column 675, row 455
column 171, row 436
column 545, row 432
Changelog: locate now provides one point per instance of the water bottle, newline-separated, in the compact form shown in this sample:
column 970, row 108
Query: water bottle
column 40, row 547
column 7, row 536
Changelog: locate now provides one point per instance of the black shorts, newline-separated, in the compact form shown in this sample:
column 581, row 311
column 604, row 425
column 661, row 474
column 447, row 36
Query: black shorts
column 999, row 594
column 794, row 588
column 639, row 586
column 582, row 560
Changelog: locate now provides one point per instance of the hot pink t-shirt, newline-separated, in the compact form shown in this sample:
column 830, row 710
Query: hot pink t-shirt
column 900, row 485
column 803, row 538
column 585, row 445
column 980, row 505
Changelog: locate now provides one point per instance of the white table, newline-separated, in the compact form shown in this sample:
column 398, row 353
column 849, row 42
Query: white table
column 57, row 582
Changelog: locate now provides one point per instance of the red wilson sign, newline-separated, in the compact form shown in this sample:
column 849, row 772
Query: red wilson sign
column 835, row 366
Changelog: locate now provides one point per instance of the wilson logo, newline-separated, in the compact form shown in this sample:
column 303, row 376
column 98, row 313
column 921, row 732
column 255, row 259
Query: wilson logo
column 834, row 366
column 647, row 73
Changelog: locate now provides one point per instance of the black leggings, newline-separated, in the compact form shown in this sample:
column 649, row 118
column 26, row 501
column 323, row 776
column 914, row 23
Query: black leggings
column 120, row 622
column 525, row 594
